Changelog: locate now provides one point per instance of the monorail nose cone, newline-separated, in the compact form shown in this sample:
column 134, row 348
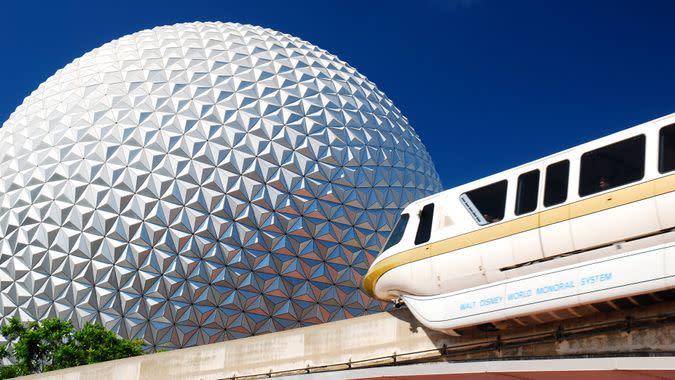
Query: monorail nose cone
column 368, row 282
column 376, row 270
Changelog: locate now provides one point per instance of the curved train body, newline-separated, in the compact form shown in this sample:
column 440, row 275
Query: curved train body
column 589, row 224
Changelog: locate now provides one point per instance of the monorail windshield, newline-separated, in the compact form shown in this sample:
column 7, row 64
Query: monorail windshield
column 397, row 233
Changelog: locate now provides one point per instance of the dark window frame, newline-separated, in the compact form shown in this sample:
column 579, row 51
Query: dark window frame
column 550, row 201
column 425, row 224
column 525, row 203
column 477, row 201
column 671, row 153
column 612, row 166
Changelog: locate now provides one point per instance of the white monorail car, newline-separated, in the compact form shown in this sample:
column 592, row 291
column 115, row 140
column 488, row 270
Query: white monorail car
column 586, row 225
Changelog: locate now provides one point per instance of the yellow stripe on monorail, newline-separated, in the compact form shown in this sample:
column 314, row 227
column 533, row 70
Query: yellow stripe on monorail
column 630, row 194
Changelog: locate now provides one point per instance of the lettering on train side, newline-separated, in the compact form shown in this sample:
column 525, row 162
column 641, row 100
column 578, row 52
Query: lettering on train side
column 467, row 306
column 490, row 301
column 555, row 287
column 519, row 294
column 596, row 278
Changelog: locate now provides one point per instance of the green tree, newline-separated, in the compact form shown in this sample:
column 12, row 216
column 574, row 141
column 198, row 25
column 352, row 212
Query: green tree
column 50, row 344
column 94, row 344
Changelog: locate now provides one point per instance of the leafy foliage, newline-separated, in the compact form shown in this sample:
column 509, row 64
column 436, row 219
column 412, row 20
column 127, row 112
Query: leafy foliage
column 51, row 344
column 94, row 344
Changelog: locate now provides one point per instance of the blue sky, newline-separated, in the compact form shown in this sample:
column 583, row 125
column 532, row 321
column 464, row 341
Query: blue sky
column 487, row 84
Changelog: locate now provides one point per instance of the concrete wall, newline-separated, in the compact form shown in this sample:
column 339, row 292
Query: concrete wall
column 360, row 338
column 383, row 338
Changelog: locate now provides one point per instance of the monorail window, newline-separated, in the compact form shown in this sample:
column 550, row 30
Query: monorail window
column 486, row 204
column 424, row 228
column 528, row 190
column 555, row 188
column 397, row 233
column 612, row 166
column 667, row 149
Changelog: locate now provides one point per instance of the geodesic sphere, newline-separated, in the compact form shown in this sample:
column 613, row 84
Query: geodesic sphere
column 201, row 182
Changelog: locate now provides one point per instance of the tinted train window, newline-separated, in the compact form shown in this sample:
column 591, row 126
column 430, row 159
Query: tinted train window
column 486, row 204
column 667, row 149
column 397, row 233
column 555, row 188
column 528, row 190
column 612, row 166
column 424, row 228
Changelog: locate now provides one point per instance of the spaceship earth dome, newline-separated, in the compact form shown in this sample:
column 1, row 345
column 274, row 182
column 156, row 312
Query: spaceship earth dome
column 201, row 182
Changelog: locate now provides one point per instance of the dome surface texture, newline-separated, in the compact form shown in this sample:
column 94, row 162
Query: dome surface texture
column 201, row 182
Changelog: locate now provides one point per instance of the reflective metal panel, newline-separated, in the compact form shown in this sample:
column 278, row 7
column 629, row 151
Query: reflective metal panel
column 201, row 182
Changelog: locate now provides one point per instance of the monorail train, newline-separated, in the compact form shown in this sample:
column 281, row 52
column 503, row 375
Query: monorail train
column 590, row 224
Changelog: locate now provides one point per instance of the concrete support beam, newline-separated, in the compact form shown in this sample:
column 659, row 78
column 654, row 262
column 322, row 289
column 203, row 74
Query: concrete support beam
column 388, row 338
